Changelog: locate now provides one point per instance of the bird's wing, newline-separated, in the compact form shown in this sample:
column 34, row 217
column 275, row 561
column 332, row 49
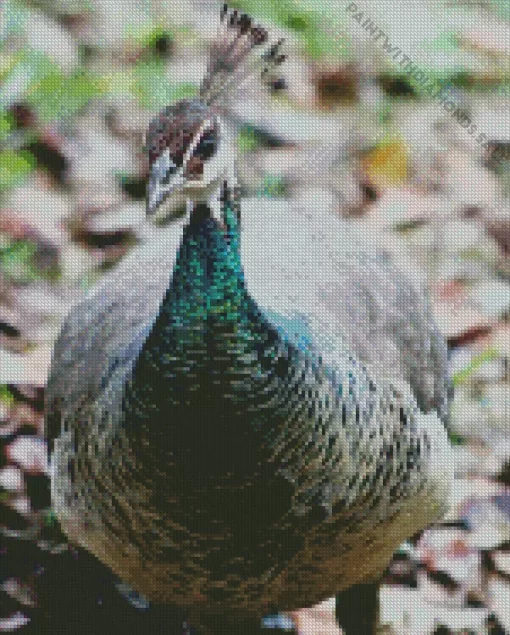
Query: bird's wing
column 317, row 283
column 106, row 329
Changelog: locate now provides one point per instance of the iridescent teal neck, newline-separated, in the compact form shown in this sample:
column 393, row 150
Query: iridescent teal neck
column 208, row 280
column 207, row 319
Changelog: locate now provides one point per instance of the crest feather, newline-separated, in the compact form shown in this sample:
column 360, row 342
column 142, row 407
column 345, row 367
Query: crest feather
column 235, row 57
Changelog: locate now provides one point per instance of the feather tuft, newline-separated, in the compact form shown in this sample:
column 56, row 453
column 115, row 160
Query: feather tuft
column 232, row 59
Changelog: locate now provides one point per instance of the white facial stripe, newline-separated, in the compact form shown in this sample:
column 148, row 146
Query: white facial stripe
column 163, row 167
column 162, row 176
column 207, row 124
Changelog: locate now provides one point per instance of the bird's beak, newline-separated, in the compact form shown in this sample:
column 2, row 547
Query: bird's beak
column 164, row 180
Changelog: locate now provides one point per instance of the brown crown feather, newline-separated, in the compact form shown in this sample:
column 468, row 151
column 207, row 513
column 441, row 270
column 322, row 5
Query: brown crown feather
column 232, row 60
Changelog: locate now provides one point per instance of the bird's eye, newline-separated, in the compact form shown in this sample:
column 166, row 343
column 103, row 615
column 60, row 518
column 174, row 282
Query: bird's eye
column 207, row 146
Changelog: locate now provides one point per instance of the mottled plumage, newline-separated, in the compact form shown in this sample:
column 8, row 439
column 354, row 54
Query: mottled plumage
column 246, row 418
column 234, row 453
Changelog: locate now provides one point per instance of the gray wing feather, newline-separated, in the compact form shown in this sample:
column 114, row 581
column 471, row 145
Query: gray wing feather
column 107, row 327
column 312, row 263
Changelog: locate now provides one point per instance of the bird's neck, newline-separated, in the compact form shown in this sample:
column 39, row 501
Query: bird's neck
column 207, row 288
column 207, row 319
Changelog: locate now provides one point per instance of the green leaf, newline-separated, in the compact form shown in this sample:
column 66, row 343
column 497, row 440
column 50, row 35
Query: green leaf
column 153, row 88
column 16, row 261
column 57, row 96
column 6, row 124
column 6, row 396
column 14, row 167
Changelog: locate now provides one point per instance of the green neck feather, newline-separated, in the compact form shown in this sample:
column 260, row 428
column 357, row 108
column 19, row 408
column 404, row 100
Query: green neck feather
column 207, row 317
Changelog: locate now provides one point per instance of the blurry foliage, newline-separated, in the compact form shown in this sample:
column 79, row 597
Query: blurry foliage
column 6, row 396
column 248, row 139
column 6, row 125
column 272, row 187
column 502, row 8
column 154, row 41
column 57, row 96
column 18, row 262
column 30, row 77
column 446, row 41
column 11, row 18
column 14, row 167
column 152, row 86
column 304, row 19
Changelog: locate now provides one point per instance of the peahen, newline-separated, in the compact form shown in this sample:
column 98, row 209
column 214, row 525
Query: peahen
column 250, row 411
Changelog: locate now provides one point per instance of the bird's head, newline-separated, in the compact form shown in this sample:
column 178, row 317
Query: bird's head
column 190, row 156
column 191, row 150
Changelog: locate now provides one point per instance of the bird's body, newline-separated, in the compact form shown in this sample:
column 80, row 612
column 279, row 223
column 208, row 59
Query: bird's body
column 245, row 415
column 241, row 437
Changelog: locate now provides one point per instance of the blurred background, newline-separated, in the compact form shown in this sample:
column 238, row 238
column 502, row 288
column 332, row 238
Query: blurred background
column 359, row 130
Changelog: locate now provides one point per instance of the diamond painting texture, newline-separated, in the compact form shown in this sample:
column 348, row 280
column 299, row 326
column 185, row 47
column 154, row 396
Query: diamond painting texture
column 254, row 299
